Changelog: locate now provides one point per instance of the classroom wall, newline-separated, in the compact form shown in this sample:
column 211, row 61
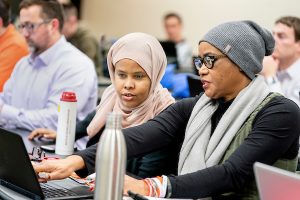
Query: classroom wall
column 115, row 18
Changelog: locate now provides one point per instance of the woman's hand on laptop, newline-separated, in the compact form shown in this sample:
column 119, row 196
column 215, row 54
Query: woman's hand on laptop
column 58, row 169
column 42, row 132
column 134, row 185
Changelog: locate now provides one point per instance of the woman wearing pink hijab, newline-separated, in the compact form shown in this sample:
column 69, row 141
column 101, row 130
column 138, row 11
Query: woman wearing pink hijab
column 136, row 64
column 146, row 53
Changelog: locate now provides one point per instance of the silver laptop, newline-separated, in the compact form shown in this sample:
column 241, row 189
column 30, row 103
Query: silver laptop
column 276, row 184
column 18, row 175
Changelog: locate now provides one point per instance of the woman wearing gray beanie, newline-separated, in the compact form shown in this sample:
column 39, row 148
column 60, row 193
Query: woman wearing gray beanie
column 221, row 132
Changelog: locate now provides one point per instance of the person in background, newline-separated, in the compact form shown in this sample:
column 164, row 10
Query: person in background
column 12, row 44
column 30, row 97
column 173, row 26
column 282, row 68
column 80, row 37
column 136, row 64
column 237, row 121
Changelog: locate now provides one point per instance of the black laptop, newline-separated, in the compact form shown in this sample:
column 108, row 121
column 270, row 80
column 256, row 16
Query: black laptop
column 170, row 51
column 17, row 174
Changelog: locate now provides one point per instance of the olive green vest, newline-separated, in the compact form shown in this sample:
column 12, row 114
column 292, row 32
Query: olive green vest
column 249, row 191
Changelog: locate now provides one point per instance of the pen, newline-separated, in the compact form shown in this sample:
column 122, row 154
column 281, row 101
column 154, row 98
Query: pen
column 77, row 180
column 136, row 196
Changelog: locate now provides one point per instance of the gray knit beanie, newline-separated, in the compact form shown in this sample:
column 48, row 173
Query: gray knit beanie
column 244, row 42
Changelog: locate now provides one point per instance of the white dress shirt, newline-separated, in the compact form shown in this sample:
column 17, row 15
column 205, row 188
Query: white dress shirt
column 30, row 97
column 287, row 82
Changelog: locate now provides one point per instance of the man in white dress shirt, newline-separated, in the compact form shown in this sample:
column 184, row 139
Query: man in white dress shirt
column 282, row 68
column 31, row 95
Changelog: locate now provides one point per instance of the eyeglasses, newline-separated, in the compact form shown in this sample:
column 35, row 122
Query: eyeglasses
column 37, row 154
column 30, row 27
column 208, row 60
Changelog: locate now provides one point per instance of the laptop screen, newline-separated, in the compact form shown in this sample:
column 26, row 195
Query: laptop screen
column 276, row 184
column 170, row 51
column 16, row 171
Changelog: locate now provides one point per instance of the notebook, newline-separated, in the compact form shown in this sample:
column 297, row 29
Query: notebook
column 17, row 174
column 276, row 184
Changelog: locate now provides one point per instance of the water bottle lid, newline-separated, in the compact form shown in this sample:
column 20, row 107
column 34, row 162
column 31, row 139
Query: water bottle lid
column 68, row 96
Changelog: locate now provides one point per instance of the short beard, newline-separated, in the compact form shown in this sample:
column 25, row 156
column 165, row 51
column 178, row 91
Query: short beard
column 34, row 50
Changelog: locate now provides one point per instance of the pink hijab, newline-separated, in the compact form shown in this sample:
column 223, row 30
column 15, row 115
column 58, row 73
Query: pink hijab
column 148, row 53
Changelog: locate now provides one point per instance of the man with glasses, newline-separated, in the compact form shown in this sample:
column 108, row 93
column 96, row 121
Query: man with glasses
column 30, row 97
column 282, row 68
column 12, row 45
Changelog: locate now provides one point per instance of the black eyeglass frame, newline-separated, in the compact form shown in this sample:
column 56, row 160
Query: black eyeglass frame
column 208, row 60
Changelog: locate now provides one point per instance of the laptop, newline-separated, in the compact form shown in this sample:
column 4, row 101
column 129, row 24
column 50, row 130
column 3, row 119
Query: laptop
column 18, row 175
column 276, row 184
column 170, row 51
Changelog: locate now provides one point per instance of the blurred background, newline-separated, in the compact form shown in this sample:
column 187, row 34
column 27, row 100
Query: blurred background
column 114, row 18
column 118, row 17
column 108, row 20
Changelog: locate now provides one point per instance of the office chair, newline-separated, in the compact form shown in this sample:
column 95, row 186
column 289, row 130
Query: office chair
column 195, row 85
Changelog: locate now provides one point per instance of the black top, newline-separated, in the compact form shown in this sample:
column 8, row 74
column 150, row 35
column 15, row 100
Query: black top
column 162, row 161
column 81, row 126
column 275, row 134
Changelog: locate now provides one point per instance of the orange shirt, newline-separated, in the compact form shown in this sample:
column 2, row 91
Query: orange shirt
column 12, row 48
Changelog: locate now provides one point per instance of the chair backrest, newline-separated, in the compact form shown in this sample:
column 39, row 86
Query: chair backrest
column 180, row 86
column 195, row 85
column 167, row 79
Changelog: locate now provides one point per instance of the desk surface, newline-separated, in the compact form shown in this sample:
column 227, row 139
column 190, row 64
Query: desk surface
column 31, row 143
column 37, row 142
column 8, row 193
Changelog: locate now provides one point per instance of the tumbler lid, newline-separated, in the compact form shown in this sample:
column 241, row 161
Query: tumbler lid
column 68, row 97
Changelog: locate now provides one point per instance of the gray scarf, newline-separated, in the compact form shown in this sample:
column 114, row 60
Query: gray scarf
column 199, row 150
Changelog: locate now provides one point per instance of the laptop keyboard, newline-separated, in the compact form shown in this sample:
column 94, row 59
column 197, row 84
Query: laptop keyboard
column 51, row 191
